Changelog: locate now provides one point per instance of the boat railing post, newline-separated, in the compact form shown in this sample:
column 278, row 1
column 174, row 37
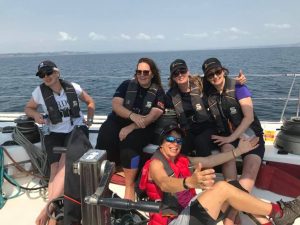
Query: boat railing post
column 288, row 97
column 298, row 107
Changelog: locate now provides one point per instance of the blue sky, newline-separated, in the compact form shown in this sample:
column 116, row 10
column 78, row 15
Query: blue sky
column 142, row 25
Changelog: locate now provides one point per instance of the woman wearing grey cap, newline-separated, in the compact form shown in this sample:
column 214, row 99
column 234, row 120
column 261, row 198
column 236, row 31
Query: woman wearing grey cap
column 186, row 97
column 232, row 109
column 59, row 99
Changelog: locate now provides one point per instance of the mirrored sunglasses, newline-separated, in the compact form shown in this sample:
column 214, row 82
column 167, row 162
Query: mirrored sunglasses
column 174, row 139
column 142, row 72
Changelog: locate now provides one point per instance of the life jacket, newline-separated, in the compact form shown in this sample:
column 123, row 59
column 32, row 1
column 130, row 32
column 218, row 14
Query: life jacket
column 55, row 115
column 200, row 115
column 148, row 100
column 226, row 101
column 171, row 208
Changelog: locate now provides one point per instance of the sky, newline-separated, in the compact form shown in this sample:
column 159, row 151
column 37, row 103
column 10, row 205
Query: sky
column 29, row 26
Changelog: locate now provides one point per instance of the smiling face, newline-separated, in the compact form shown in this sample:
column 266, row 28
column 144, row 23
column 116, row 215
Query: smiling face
column 144, row 74
column 171, row 145
column 216, row 77
column 181, row 77
column 51, row 79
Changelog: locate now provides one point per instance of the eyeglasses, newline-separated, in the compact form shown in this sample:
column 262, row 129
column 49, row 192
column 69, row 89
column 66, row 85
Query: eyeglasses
column 43, row 73
column 142, row 72
column 211, row 75
column 178, row 72
column 174, row 139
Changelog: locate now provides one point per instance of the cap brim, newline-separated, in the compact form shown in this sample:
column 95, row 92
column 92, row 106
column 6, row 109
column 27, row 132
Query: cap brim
column 177, row 68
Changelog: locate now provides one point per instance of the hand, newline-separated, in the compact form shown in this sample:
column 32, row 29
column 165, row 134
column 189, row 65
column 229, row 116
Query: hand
column 124, row 132
column 203, row 179
column 246, row 145
column 38, row 118
column 241, row 78
column 139, row 120
column 220, row 140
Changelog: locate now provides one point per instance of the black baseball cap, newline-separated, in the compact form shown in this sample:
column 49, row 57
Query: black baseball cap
column 168, row 129
column 210, row 64
column 46, row 66
column 176, row 65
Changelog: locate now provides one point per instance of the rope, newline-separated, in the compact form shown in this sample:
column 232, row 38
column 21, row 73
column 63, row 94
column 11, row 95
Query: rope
column 37, row 156
column 2, row 197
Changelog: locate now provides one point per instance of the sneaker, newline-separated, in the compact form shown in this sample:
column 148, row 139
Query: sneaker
column 290, row 210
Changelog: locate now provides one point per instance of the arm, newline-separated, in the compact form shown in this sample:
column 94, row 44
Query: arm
column 172, row 184
column 31, row 111
column 220, row 158
column 85, row 97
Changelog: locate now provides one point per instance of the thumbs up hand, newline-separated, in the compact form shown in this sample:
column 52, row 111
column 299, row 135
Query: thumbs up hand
column 203, row 179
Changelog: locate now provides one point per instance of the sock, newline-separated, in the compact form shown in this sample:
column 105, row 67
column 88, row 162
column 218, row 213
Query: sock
column 276, row 210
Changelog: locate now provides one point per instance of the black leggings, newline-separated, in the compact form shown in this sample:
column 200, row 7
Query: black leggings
column 126, row 152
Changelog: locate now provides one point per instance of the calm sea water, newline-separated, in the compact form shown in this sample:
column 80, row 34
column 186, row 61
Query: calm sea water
column 100, row 75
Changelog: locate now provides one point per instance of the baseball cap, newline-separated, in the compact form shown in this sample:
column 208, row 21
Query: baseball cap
column 177, row 64
column 209, row 64
column 46, row 66
column 168, row 129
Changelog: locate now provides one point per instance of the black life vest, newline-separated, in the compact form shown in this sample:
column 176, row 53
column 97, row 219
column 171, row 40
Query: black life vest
column 148, row 100
column 55, row 115
column 226, row 102
column 200, row 115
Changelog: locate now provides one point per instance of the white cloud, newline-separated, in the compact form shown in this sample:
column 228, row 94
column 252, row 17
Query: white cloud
column 95, row 37
column 200, row 35
column 143, row 36
column 159, row 36
column 278, row 26
column 63, row 36
column 125, row 36
column 237, row 31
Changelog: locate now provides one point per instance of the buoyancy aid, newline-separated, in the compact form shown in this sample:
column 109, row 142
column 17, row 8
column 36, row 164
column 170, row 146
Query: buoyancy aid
column 200, row 115
column 55, row 115
column 219, row 103
column 148, row 100
column 181, row 167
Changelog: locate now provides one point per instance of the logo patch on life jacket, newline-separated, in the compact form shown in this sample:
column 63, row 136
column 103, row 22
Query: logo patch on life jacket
column 149, row 104
column 75, row 103
column 233, row 110
column 198, row 107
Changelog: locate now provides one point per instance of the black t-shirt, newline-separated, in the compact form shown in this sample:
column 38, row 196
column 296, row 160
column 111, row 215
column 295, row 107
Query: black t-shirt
column 159, row 101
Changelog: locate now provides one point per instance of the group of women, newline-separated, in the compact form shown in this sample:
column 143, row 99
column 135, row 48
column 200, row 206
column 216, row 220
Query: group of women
column 214, row 111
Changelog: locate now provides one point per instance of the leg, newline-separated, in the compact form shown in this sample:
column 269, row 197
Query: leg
column 131, row 150
column 222, row 192
column 203, row 144
column 108, row 139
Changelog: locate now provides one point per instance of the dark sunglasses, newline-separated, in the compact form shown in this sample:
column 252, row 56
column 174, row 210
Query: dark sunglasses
column 211, row 75
column 178, row 72
column 44, row 73
column 142, row 72
column 174, row 139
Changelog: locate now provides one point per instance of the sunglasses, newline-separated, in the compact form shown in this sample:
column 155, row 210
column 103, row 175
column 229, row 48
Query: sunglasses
column 44, row 73
column 174, row 139
column 142, row 72
column 178, row 72
column 211, row 75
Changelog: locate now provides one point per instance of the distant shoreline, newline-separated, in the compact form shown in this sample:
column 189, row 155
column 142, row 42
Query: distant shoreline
column 20, row 54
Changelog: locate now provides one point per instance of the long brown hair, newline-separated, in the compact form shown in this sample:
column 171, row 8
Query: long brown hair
column 154, row 69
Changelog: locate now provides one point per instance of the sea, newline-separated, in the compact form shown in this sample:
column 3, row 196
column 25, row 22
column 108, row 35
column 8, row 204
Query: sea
column 270, row 73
